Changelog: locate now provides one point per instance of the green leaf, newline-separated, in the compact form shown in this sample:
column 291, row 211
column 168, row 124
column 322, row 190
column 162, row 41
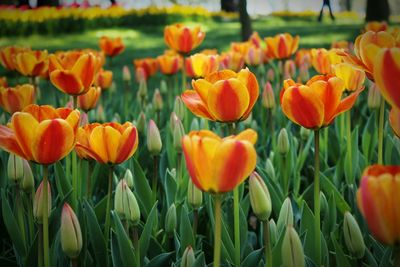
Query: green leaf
column 328, row 186
column 96, row 236
column 185, row 229
column 170, row 188
column 200, row 261
column 341, row 259
column 12, row 226
column 303, row 155
column 160, row 260
column 142, row 189
column 115, row 254
column 307, row 229
column 253, row 258
column 64, row 187
column 146, row 233
column 124, row 244
column 369, row 137
column 32, row 257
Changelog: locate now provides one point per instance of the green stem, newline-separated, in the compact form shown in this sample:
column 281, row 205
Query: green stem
column 74, row 263
column 195, row 222
column 19, row 207
column 179, row 167
column 74, row 176
column 45, row 217
column 135, row 237
column 267, row 245
column 183, row 77
column 29, row 207
column 380, row 131
column 349, row 145
column 326, row 137
column 317, row 231
column 89, row 181
column 75, row 102
column 108, row 209
column 236, row 224
column 217, row 231
column 396, row 251
column 40, row 246
column 285, row 175
column 155, row 178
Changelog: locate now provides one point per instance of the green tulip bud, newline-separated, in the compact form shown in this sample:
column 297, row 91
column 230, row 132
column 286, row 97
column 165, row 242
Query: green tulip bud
column 292, row 249
column 260, row 199
column 142, row 91
column 179, row 108
column 374, row 97
column 154, row 144
column 194, row 126
column 128, row 177
column 188, row 258
column 304, row 133
column 38, row 202
column 71, row 235
column 273, row 232
column 179, row 132
column 269, row 169
column 353, row 236
column 28, row 182
column 170, row 220
column 283, row 142
column 195, row 195
column 285, row 215
column 157, row 100
column 116, row 118
column 15, row 168
column 125, row 203
column 268, row 97
column 163, row 87
column 126, row 74
column 141, row 122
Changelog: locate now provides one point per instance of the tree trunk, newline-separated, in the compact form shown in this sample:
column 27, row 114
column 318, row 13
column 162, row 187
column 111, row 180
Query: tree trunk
column 245, row 20
column 48, row 3
column 22, row 3
column 228, row 5
column 377, row 10
column 348, row 5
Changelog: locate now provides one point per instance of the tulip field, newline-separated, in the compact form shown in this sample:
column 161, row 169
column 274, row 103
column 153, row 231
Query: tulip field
column 181, row 145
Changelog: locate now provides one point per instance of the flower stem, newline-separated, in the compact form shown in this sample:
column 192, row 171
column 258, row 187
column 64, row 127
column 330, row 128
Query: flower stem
column 349, row 146
column 108, row 209
column 155, row 178
column 195, row 222
column 236, row 224
column 135, row 239
column 380, row 131
column 285, row 175
column 183, row 77
column 217, row 231
column 267, row 245
column 89, row 181
column 40, row 246
column 317, row 231
column 45, row 217
column 396, row 252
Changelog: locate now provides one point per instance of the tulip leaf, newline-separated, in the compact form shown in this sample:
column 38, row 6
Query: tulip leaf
column 31, row 258
column 64, row 187
column 341, row 259
column 170, row 188
column 144, row 240
column 142, row 189
column 328, row 186
column 115, row 253
column 253, row 258
column 369, row 137
column 124, row 244
column 303, row 154
column 352, row 159
column 185, row 229
column 96, row 236
column 160, row 260
column 12, row 226
column 200, row 261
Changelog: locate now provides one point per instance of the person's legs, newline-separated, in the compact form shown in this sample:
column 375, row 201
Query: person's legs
column 330, row 11
column 321, row 13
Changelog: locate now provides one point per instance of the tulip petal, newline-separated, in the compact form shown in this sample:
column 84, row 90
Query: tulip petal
column 220, row 75
column 250, row 81
column 202, row 86
column 25, row 62
column 40, row 113
column 84, row 68
column 346, row 104
column 24, row 125
column 86, row 150
column 67, row 82
column 9, row 143
column 394, row 119
column 228, row 100
column 194, row 103
column 247, row 135
column 128, row 144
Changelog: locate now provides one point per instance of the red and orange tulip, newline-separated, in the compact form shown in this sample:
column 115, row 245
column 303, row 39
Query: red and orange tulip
column 352, row 76
column 7, row 56
column 378, row 199
column 224, row 96
column 254, row 56
column 303, row 57
column 281, row 46
column 316, row 104
column 41, row 134
column 202, row 65
column 322, row 60
column 394, row 120
column 183, row 39
column 13, row 99
column 169, row 64
column 111, row 46
column 104, row 79
column 108, row 143
column 32, row 63
column 73, row 72
column 3, row 82
column 89, row 100
column 387, row 75
column 218, row 165
column 376, row 26
column 149, row 66
column 231, row 60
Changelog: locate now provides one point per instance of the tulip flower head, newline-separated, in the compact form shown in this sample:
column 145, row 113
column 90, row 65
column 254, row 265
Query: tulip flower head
column 216, row 164
column 148, row 65
column 282, row 46
column 224, row 96
column 89, row 100
column 203, row 65
column 322, row 60
column 3, row 82
column 41, row 134
column 394, row 120
column 183, row 39
column 104, row 79
column 7, row 56
column 13, row 99
column 317, row 103
column 352, row 76
column 376, row 26
column 32, row 63
column 231, row 60
column 111, row 46
column 377, row 198
column 169, row 64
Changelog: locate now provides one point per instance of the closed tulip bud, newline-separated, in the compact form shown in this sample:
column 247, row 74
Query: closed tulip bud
column 116, row 118
column 283, row 142
column 38, row 202
column 141, row 122
column 260, row 199
column 188, row 258
column 157, row 100
column 142, row 92
column 140, row 75
column 179, row 132
column 125, row 203
column 261, row 69
column 292, row 249
column 15, row 168
column 71, row 235
column 289, row 69
column 271, row 75
column 269, row 169
column 268, row 98
column 126, row 74
column 170, row 220
column 374, row 97
column 273, row 232
column 285, row 215
column 179, row 108
column 154, row 144
column 304, row 133
column 172, row 121
column 28, row 182
column 304, row 74
column 194, row 126
column 353, row 236
column 128, row 177
column 163, row 87
column 195, row 196
column 100, row 116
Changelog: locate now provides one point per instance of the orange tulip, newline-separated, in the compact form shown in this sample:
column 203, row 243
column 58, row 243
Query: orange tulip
column 378, row 199
column 7, row 56
column 202, row 64
column 344, row 45
column 183, row 39
column 376, row 26
column 387, row 75
column 366, row 47
column 111, row 46
column 231, row 60
column 254, row 56
column 224, row 96
column 149, row 66
column 3, row 82
column 41, row 134
column 189, row 68
column 281, row 46
column 89, row 100
column 32, row 63
column 303, row 57
column 73, row 73
column 240, row 47
column 13, row 99
column 218, row 165
column 108, row 143
column 322, row 60
column 169, row 64
column 209, row 52
column 352, row 76
column 316, row 104
column 255, row 39
column 394, row 120
column 104, row 79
